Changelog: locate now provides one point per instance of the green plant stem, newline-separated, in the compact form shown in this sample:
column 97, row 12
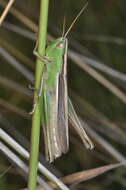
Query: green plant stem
column 35, row 134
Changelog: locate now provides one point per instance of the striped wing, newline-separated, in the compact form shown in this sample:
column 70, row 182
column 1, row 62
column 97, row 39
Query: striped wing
column 63, row 105
column 63, row 114
column 51, row 131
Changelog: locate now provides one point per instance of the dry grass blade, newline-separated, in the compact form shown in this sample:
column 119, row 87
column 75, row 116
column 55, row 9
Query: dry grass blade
column 88, row 174
column 93, row 61
column 28, row 34
column 5, row 171
column 104, row 68
column 15, row 86
column 22, row 18
column 21, row 164
column 111, row 87
column 105, row 144
column 16, row 53
column 24, row 153
column 6, row 10
column 85, row 175
column 104, row 38
column 93, row 114
column 12, row 108
column 13, row 131
column 16, row 64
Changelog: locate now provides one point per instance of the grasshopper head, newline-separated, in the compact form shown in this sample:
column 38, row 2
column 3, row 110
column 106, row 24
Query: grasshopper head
column 56, row 48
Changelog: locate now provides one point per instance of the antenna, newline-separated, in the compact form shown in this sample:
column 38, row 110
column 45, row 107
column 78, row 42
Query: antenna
column 74, row 21
column 64, row 22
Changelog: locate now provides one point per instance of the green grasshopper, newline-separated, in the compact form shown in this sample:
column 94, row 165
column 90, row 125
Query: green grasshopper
column 57, row 107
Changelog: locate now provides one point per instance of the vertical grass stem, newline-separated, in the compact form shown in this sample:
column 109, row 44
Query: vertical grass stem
column 35, row 133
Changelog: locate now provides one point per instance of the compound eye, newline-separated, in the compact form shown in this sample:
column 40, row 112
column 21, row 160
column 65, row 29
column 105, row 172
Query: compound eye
column 60, row 45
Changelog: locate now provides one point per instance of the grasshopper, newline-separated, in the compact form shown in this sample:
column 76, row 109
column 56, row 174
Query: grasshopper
column 57, row 108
